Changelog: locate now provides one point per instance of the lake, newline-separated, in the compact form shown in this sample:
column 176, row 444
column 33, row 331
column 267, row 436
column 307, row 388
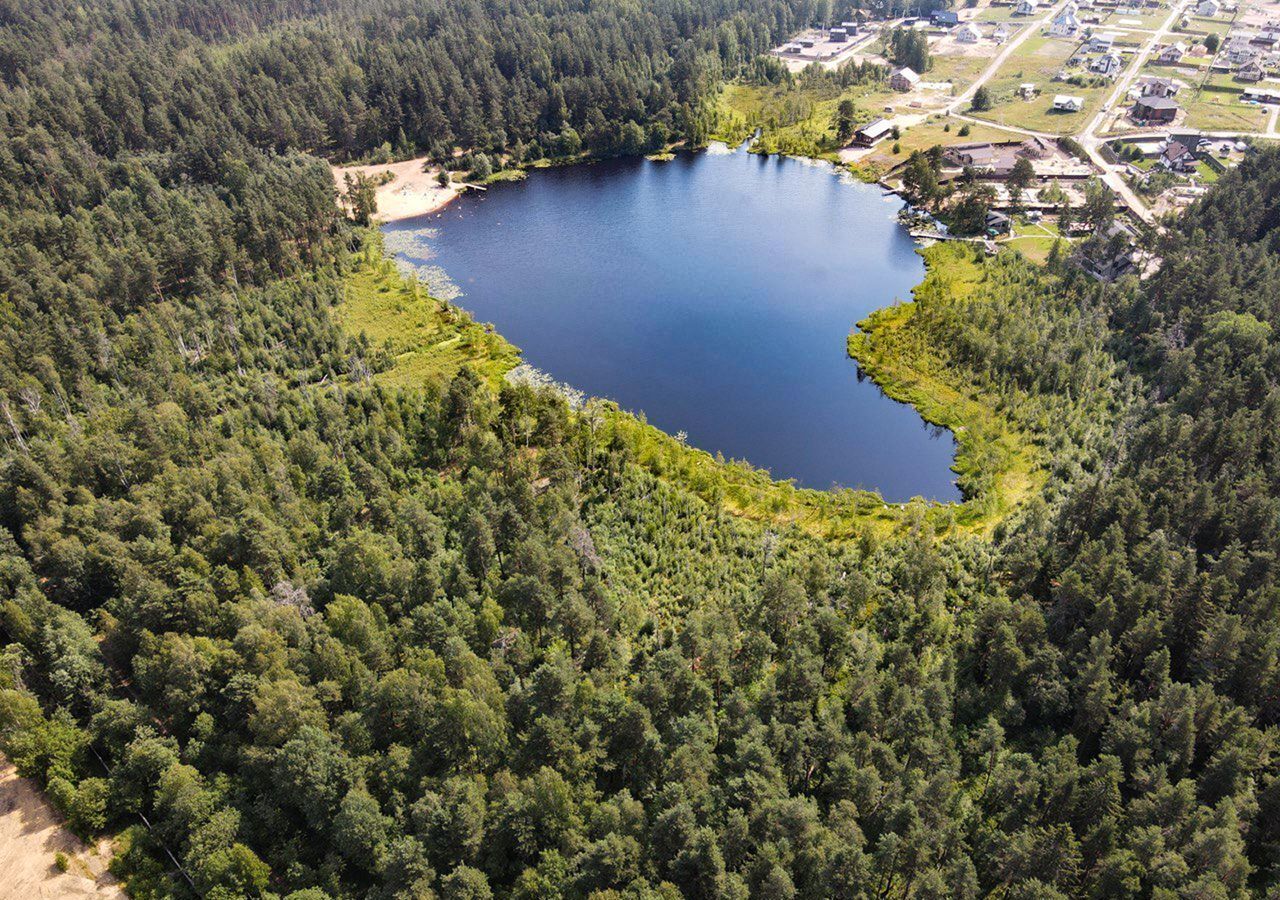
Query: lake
column 714, row 293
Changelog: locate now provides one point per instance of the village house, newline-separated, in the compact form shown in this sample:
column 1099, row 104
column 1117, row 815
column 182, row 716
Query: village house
column 1065, row 25
column 1260, row 95
column 1027, row 91
column 968, row 33
column 1155, row 110
column 944, row 18
column 1239, row 51
column 1251, row 72
column 1208, row 8
column 1027, row 7
column 998, row 223
column 1101, row 42
column 1107, row 65
column 1068, row 103
column 903, row 79
column 1172, row 54
column 1177, row 157
column 837, row 35
column 873, row 133
column 1158, row 86
column 1109, row 254
column 1001, row 34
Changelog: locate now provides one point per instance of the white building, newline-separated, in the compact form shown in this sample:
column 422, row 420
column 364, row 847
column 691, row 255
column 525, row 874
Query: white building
column 1107, row 65
column 1208, row 8
column 1068, row 103
column 1027, row 7
column 968, row 33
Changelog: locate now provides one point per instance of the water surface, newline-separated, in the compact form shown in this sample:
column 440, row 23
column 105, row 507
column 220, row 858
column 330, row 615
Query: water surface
column 713, row 293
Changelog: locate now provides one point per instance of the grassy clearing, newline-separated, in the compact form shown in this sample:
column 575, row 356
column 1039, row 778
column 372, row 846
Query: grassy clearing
column 427, row 341
column 926, row 135
column 424, row 340
column 961, row 69
column 1034, row 240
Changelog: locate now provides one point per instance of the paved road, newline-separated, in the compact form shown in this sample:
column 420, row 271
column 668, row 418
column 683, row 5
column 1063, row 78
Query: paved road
column 1088, row 138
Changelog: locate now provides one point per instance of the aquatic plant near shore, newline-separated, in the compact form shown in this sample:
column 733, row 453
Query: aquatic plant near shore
column 536, row 378
column 411, row 251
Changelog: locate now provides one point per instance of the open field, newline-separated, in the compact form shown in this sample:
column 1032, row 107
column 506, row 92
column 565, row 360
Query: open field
column 1215, row 105
column 1033, row 240
column 31, row 838
column 959, row 63
column 1038, row 61
column 1148, row 21
column 1198, row 26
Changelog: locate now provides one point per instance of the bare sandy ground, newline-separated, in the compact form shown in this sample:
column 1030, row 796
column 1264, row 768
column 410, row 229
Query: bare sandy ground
column 411, row 191
column 30, row 834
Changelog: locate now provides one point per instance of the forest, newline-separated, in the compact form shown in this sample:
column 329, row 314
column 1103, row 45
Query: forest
column 289, row 629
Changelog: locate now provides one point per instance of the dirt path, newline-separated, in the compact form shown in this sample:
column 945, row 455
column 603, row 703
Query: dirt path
column 31, row 833
column 1033, row 27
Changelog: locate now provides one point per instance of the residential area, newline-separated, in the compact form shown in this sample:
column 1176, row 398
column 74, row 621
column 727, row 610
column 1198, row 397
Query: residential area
column 1148, row 100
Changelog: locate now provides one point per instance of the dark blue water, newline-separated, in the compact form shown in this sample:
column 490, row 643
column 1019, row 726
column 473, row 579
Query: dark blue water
column 713, row 293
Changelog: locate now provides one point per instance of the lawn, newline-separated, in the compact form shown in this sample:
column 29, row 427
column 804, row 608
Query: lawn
column 1215, row 106
column 1039, row 60
column 1033, row 240
column 1202, row 26
column 1145, row 22
column 961, row 69
column 995, row 14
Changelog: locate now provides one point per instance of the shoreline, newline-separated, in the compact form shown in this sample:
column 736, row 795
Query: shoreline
column 410, row 192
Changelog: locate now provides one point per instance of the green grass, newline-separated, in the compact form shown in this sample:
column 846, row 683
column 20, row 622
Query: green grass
column 426, row 340
column 793, row 120
column 1215, row 105
column 960, row 69
column 926, row 135
column 1033, row 240
column 1038, row 61
column 1202, row 26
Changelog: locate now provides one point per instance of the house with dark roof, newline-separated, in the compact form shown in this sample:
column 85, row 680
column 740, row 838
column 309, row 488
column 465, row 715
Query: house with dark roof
column 1251, row 72
column 1177, row 157
column 944, row 18
column 1152, row 110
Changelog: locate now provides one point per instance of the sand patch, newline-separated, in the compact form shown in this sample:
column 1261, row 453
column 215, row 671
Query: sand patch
column 410, row 192
column 31, row 834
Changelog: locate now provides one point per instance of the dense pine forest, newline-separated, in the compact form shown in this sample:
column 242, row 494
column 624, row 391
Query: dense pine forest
column 330, row 638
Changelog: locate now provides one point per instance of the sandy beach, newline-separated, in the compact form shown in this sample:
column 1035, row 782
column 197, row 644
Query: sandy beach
column 31, row 833
column 410, row 192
